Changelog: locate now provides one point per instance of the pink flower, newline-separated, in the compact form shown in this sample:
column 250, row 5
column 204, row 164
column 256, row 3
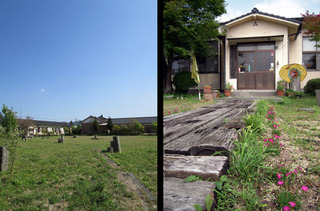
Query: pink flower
column 267, row 144
column 304, row 188
column 295, row 171
column 169, row 112
column 279, row 176
column 281, row 144
column 280, row 182
column 298, row 167
column 275, row 126
column 265, row 140
column 271, row 140
column 286, row 208
column 292, row 204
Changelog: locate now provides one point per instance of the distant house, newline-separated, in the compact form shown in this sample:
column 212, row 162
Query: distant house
column 87, row 124
column 39, row 127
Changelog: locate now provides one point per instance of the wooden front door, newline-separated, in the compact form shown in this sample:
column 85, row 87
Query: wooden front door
column 256, row 67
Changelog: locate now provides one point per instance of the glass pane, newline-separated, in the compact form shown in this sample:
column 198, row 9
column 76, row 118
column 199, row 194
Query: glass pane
column 212, row 64
column 175, row 66
column 184, row 65
column 209, row 64
column 246, row 62
column 247, row 47
column 264, row 61
column 265, row 46
column 318, row 61
column 308, row 45
column 202, row 65
column 309, row 60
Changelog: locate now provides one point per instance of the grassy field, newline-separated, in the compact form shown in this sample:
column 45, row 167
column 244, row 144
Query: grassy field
column 74, row 176
column 188, row 102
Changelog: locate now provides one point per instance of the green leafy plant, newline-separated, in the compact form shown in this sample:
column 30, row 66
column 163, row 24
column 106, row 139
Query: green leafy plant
column 183, row 81
column 228, row 86
column 209, row 202
column 192, row 178
column 222, row 179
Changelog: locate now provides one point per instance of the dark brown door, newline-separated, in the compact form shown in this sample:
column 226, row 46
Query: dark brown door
column 256, row 66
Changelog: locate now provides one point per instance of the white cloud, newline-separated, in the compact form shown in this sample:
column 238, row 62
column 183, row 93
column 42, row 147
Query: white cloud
column 231, row 13
column 286, row 8
column 42, row 90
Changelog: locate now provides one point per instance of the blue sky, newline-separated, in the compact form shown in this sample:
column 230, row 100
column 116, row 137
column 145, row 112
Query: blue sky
column 64, row 60
column 286, row 8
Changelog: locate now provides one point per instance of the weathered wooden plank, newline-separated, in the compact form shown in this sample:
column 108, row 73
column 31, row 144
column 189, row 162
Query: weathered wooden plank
column 205, row 167
column 208, row 121
column 220, row 138
column 203, row 126
column 180, row 195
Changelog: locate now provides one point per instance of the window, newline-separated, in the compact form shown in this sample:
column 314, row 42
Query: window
column 180, row 65
column 311, row 54
column 209, row 64
column 205, row 64
column 255, row 57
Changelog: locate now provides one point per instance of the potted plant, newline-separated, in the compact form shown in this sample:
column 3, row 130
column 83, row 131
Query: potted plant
column 218, row 93
column 207, row 89
column 280, row 90
column 214, row 93
column 227, row 91
column 289, row 92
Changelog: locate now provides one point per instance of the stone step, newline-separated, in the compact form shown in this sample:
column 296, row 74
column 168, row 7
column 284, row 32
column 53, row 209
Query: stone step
column 205, row 167
column 181, row 195
column 253, row 93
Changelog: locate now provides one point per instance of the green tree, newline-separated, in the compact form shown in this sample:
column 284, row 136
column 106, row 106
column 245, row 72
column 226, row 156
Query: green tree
column 8, row 119
column 154, row 127
column 124, row 129
column 187, row 26
column 116, row 130
column 139, row 128
column 76, row 130
column 109, row 125
column 9, row 133
column 95, row 126
column 312, row 23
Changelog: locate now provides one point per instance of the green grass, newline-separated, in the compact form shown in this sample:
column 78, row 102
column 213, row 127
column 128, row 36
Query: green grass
column 189, row 102
column 74, row 176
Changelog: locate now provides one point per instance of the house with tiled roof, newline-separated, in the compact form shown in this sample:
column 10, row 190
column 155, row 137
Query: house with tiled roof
column 87, row 124
column 251, row 50
column 41, row 127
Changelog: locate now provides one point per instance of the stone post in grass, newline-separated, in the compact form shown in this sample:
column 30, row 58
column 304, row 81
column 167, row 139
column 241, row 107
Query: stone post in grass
column 61, row 140
column 114, row 145
column 4, row 158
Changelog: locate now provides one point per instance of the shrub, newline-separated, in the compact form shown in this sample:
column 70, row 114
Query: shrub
column 183, row 81
column 312, row 85
column 115, row 129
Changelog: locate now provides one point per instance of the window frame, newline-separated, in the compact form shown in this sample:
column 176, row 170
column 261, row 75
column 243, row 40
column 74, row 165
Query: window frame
column 317, row 51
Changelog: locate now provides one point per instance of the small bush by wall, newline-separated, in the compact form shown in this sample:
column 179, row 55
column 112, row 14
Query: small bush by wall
column 312, row 85
column 183, row 81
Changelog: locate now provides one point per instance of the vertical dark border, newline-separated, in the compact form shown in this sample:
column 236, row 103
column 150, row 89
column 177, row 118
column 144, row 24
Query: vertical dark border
column 160, row 104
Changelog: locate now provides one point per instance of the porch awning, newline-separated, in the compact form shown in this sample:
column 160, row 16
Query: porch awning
column 254, row 39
